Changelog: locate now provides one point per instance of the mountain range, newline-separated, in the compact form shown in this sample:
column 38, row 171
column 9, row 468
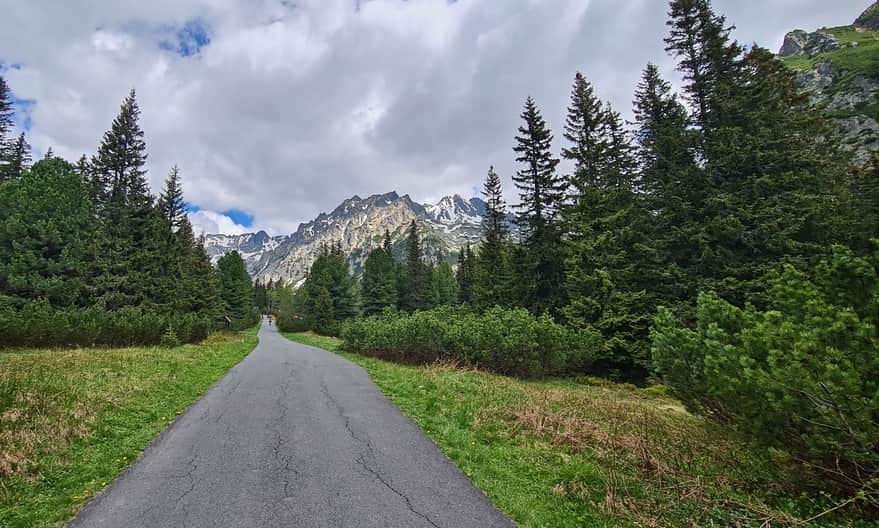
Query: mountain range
column 359, row 225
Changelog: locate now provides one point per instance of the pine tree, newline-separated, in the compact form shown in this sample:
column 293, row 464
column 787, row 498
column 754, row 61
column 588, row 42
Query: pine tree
column 236, row 291
column 19, row 158
column 50, row 154
column 465, row 275
column 584, row 130
column 133, row 233
column 661, row 134
column 542, row 194
column 416, row 290
column 46, row 235
column 329, row 272
column 378, row 285
column 700, row 39
column 601, row 278
column 171, row 202
column 119, row 164
column 492, row 280
column 775, row 172
column 445, row 285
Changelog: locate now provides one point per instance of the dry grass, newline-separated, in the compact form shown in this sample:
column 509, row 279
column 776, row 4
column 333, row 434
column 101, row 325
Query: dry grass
column 659, row 463
column 72, row 418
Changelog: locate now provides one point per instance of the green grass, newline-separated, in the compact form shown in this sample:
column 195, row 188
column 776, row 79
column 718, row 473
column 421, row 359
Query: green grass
column 589, row 453
column 73, row 420
column 862, row 60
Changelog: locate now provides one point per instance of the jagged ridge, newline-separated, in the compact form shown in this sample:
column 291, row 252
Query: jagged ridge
column 359, row 224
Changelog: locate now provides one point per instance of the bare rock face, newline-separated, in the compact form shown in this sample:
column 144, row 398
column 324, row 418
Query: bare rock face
column 358, row 224
column 869, row 19
column 799, row 42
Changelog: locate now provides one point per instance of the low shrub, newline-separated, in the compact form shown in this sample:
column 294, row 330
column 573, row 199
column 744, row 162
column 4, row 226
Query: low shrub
column 38, row 324
column 169, row 338
column 801, row 377
column 507, row 341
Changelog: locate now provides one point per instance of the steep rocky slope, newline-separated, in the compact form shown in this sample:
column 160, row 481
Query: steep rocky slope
column 839, row 68
column 359, row 224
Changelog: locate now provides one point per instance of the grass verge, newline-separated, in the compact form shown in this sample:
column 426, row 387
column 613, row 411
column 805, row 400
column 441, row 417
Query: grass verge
column 589, row 453
column 73, row 420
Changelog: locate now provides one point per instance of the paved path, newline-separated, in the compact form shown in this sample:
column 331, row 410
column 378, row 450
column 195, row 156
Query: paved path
column 292, row 436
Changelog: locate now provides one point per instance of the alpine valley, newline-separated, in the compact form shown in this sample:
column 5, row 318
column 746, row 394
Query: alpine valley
column 359, row 225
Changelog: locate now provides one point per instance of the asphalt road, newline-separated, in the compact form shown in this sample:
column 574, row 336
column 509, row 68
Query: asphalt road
column 292, row 436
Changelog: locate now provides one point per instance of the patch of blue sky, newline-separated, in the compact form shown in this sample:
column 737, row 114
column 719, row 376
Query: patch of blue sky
column 22, row 108
column 187, row 40
column 239, row 217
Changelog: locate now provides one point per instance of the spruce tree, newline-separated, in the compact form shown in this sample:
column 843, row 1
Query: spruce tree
column 465, row 275
column 378, row 285
column 584, row 130
column 493, row 279
column 602, row 281
column 416, row 292
column 236, row 291
column 661, row 135
column 329, row 272
column 445, row 285
column 542, row 194
column 775, row 171
column 133, row 234
column 700, row 39
column 119, row 164
column 171, row 203
column 19, row 160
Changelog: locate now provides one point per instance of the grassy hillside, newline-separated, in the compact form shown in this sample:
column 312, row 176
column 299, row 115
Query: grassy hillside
column 589, row 453
column 72, row 420
column 862, row 60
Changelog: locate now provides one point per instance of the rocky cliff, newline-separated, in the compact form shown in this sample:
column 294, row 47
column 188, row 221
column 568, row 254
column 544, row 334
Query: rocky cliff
column 839, row 68
column 359, row 224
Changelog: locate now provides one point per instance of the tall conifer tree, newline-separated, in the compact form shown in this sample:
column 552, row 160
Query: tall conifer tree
column 493, row 279
column 542, row 194
column 19, row 160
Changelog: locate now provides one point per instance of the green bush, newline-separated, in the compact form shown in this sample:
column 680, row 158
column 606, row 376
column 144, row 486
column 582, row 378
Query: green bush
column 287, row 323
column 508, row 341
column 38, row 324
column 801, row 377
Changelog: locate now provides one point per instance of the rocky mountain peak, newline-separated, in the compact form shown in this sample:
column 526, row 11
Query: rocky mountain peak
column 358, row 224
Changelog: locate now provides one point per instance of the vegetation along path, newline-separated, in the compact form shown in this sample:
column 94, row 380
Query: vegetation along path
column 292, row 436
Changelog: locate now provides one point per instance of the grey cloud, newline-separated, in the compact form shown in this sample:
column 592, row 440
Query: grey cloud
column 289, row 110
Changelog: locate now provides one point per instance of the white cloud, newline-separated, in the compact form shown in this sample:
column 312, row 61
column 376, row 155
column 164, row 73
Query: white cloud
column 212, row 222
column 293, row 107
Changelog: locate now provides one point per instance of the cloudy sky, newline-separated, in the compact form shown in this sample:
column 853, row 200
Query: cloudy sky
column 276, row 110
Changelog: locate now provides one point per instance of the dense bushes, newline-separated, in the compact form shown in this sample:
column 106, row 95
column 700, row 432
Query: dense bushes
column 801, row 377
column 506, row 341
column 38, row 324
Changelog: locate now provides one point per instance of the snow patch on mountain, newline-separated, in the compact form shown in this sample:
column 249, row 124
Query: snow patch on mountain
column 358, row 224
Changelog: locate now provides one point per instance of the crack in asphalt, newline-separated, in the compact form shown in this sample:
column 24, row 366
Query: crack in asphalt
column 179, row 502
column 361, row 459
column 277, row 451
column 265, row 447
